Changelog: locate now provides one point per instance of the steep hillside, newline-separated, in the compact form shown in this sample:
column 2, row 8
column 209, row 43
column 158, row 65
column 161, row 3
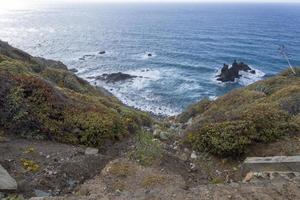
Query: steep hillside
column 260, row 113
column 40, row 98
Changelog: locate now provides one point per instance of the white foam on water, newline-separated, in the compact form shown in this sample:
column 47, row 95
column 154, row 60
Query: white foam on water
column 187, row 87
column 149, row 104
column 248, row 78
column 32, row 30
column 145, row 55
column 144, row 77
column 137, row 94
column 89, row 55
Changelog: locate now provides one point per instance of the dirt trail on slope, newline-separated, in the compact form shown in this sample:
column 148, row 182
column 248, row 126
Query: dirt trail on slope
column 122, row 179
column 44, row 168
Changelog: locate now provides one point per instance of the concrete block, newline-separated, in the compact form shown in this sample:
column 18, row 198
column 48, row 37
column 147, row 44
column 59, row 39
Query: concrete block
column 275, row 163
column 7, row 183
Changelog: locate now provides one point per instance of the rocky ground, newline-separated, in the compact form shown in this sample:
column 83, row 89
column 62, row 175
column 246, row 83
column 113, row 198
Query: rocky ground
column 123, row 180
column 76, row 172
column 45, row 168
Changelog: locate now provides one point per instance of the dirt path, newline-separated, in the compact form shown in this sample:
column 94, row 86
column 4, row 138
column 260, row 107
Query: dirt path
column 44, row 168
column 65, row 172
column 122, row 179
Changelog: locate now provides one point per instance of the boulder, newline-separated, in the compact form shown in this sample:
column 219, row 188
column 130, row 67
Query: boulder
column 115, row 77
column 194, row 155
column 102, row 52
column 229, row 74
column 91, row 151
column 149, row 54
column 7, row 183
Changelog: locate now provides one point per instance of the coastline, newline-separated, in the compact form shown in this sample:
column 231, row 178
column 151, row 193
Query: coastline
column 46, row 110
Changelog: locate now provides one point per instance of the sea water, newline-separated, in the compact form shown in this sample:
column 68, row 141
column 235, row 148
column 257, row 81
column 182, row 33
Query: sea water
column 188, row 42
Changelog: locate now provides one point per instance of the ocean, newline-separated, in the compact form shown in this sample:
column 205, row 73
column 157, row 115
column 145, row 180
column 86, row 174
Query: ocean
column 188, row 43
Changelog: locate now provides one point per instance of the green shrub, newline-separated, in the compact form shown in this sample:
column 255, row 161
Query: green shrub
column 93, row 128
column 42, row 102
column 295, row 124
column 258, row 123
column 65, row 79
column 270, row 123
column 259, row 113
column 226, row 138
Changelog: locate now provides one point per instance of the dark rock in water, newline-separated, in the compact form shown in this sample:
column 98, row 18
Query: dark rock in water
column 229, row 74
column 115, row 77
column 252, row 71
column 102, row 52
column 73, row 70
column 149, row 54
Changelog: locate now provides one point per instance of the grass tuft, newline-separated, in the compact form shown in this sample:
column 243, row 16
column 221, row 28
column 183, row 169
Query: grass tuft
column 148, row 150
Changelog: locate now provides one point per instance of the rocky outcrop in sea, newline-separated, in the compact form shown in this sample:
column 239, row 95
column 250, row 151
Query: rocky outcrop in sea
column 229, row 74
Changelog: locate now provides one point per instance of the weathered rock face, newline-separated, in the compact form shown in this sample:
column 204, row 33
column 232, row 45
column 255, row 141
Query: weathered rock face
column 7, row 183
column 115, row 77
column 229, row 74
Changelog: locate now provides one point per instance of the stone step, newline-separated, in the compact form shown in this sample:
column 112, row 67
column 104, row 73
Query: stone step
column 7, row 183
column 275, row 163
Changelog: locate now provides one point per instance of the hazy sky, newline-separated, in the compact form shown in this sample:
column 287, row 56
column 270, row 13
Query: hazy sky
column 35, row 1
column 174, row 0
column 15, row 4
